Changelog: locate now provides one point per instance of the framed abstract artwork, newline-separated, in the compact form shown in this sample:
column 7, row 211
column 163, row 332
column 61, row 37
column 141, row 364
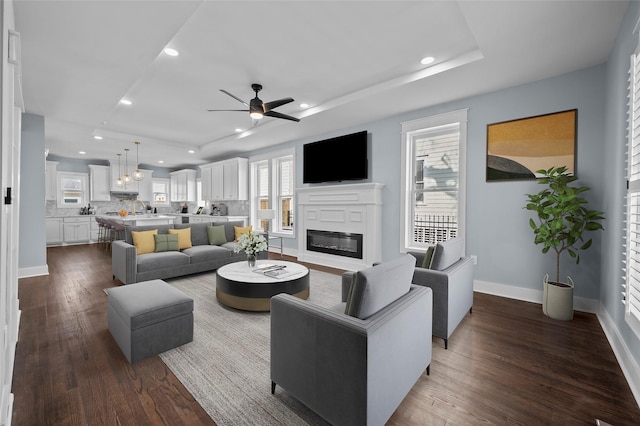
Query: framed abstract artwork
column 516, row 149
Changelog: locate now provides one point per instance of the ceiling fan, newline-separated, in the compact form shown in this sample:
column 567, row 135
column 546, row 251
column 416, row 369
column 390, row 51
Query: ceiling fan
column 257, row 108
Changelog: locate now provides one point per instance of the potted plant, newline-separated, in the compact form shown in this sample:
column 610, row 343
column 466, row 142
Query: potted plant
column 563, row 217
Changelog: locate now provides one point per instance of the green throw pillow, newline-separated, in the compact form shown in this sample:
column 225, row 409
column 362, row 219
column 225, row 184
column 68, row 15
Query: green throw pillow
column 353, row 280
column 426, row 262
column 166, row 242
column 216, row 235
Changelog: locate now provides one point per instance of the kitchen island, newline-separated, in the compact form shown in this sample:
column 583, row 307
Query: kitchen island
column 142, row 219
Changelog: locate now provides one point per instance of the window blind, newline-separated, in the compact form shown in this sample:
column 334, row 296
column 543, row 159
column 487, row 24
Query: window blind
column 631, row 286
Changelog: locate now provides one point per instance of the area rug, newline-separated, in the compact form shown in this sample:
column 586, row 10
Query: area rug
column 226, row 367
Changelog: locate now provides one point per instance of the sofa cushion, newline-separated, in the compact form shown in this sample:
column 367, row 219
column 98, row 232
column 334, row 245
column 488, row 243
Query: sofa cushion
column 216, row 235
column 229, row 231
column 206, row 253
column 446, row 254
column 378, row 286
column 162, row 229
column 184, row 237
column 428, row 257
column 143, row 241
column 240, row 230
column 347, row 303
column 163, row 260
column 199, row 235
column 166, row 242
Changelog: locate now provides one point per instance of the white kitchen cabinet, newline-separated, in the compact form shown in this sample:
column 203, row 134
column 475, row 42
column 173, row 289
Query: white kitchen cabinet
column 50, row 179
column 183, row 185
column 145, row 187
column 54, row 230
column 76, row 229
column 99, row 176
column 226, row 180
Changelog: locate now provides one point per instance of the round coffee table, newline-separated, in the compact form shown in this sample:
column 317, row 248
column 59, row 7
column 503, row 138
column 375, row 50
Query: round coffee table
column 239, row 286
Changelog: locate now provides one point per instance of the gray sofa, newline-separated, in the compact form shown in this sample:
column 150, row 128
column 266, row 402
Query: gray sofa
column 450, row 276
column 354, row 368
column 129, row 267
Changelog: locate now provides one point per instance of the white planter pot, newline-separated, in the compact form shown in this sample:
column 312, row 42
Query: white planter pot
column 557, row 299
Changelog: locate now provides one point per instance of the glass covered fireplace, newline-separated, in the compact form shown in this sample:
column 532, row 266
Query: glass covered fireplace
column 336, row 243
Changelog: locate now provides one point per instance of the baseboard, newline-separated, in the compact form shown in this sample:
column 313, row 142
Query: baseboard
column 627, row 363
column 35, row 271
column 530, row 295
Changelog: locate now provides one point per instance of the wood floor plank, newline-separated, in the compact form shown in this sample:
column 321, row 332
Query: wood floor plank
column 507, row 364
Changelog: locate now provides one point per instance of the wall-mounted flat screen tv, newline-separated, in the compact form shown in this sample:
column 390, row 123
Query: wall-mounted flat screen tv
column 336, row 159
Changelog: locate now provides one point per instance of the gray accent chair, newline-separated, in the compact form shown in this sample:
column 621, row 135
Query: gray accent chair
column 356, row 368
column 451, row 278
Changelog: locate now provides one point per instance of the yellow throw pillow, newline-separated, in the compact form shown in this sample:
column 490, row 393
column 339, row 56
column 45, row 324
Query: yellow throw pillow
column 144, row 241
column 239, row 230
column 184, row 237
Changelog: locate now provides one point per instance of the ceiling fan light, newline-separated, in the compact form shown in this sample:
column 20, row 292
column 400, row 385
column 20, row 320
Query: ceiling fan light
column 256, row 115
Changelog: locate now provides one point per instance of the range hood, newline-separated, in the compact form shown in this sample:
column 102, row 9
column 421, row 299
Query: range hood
column 124, row 193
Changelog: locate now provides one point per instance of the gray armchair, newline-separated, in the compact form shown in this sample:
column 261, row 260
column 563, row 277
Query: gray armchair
column 451, row 278
column 354, row 369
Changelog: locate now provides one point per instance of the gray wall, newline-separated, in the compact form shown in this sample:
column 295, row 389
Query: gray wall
column 32, row 235
column 497, row 229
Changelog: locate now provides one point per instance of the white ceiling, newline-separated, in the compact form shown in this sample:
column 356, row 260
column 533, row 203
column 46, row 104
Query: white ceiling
column 352, row 61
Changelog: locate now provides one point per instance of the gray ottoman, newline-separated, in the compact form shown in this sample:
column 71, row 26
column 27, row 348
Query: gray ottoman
column 148, row 318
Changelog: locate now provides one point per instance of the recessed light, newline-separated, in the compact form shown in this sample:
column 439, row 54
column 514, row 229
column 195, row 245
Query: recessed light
column 238, row 130
column 81, row 152
column 171, row 52
column 427, row 60
column 161, row 161
column 125, row 102
column 191, row 151
column 304, row 105
column 96, row 137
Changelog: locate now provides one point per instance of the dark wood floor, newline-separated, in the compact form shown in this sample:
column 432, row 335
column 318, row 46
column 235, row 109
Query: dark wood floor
column 506, row 364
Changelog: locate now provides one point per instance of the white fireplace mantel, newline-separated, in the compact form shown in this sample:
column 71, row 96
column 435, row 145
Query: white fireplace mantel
column 352, row 208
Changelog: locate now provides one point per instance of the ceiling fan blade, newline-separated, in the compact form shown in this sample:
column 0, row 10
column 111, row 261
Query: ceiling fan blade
column 239, row 110
column 234, row 97
column 275, row 114
column 268, row 106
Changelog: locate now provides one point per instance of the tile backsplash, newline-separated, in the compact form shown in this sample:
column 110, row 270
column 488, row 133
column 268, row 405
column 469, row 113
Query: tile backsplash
column 235, row 208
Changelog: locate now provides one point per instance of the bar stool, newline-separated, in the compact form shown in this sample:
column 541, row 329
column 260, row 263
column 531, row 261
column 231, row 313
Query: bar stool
column 116, row 231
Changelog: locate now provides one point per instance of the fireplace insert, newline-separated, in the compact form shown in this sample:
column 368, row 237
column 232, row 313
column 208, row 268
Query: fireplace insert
column 336, row 243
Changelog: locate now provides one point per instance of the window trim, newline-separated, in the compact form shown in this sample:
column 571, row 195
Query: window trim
column 272, row 159
column 409, row 128
column 167, row 183
column 84, row 190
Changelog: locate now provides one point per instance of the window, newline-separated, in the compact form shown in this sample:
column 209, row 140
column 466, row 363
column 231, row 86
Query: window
column 200, row 201
column 72, row 189
column 160, row 189
column 433, row 179
column 284, row 194
column 272, row 187
column 631, row 285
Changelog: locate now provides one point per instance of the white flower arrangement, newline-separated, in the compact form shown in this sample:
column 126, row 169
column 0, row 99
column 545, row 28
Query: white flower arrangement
column 251, row 243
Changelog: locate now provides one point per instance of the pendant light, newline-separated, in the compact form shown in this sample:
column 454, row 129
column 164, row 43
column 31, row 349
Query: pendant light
column 119, row 181
column 138, row 175
column 126, row 178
